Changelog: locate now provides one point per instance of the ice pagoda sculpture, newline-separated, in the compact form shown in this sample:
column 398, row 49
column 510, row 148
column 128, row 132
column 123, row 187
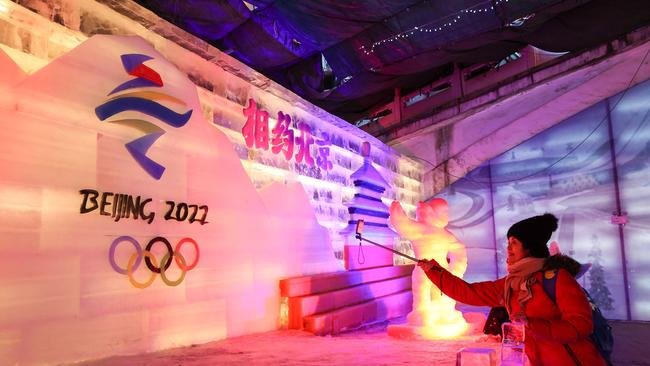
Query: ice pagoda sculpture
column 367, row 205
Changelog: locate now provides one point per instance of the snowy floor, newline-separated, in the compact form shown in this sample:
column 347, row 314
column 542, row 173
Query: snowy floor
column 367, row 347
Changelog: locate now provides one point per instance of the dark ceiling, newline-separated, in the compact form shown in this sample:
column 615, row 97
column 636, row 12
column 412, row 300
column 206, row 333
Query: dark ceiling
column 372, row 47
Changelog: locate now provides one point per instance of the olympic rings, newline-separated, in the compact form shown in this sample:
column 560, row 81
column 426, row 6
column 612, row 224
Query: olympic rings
column 178, row 251
column 153, row 241
column 150, row 260
column 136, row 284
column 163, row 266
column 111, row 253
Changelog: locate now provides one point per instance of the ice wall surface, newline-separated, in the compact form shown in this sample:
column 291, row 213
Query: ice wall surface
column 61, row 300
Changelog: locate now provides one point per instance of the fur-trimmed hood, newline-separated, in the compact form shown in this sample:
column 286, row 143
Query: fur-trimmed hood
column 561, row 261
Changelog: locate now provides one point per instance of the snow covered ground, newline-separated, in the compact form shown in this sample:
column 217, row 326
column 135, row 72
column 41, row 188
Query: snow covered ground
column 369, row 346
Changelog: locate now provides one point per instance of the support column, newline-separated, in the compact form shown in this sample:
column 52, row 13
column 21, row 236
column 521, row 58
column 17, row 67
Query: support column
column 618, row 209
column 494, row 225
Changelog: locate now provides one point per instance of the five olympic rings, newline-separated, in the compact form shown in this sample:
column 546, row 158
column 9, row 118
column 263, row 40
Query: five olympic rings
column 151, row 262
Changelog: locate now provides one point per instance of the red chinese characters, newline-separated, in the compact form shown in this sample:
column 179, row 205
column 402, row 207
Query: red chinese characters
column 304, row 141
column 283, row 139
column 282, row 136
column 256, row 128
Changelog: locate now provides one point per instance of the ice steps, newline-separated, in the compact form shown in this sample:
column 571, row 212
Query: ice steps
column 332, row 302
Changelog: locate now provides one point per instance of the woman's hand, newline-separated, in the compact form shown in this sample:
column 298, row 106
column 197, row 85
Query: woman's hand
column 428, row 264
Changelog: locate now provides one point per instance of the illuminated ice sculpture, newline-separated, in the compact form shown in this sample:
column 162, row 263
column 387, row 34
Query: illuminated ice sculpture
column 433, row 315
column 366, row 205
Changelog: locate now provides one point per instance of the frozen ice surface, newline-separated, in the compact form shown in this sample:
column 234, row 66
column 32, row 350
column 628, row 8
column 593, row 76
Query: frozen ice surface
column 369, row 346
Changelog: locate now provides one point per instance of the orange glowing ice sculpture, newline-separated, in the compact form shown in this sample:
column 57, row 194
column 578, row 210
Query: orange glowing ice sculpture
column 434, row 315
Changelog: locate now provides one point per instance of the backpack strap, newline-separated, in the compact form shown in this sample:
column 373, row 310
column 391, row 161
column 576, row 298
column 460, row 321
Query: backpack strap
column 549, row 280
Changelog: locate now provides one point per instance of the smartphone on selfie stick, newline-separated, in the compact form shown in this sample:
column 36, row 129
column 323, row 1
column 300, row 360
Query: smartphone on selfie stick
column 359, row 232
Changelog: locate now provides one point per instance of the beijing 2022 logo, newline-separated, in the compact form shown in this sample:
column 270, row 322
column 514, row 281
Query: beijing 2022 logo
column 145, row 101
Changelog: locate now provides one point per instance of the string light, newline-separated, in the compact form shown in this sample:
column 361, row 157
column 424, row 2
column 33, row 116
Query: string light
column 432, row 27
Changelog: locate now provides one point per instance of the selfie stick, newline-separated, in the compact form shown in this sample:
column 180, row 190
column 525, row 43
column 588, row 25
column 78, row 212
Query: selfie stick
column 359, row 230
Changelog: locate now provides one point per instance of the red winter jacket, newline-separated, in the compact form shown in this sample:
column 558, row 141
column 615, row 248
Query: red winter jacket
column 551, row 325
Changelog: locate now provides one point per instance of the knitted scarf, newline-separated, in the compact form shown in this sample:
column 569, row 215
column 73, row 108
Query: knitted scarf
column 519, row 275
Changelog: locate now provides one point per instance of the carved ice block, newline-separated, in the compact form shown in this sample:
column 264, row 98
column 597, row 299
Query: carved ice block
column 474, row 356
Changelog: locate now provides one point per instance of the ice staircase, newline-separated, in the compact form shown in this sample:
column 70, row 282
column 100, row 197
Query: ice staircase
column 330, row 303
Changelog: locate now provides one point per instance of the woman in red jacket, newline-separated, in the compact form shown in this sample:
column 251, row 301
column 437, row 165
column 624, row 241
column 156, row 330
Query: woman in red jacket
column 556, row 332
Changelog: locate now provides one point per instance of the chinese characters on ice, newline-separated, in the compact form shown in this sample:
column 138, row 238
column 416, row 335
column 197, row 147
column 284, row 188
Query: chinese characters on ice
column 283, row 139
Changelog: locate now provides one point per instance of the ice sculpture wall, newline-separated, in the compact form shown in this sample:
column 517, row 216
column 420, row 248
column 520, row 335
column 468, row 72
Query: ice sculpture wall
column 576, row 170
column 106, row 156
column 225, row 88
column 62, row 297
